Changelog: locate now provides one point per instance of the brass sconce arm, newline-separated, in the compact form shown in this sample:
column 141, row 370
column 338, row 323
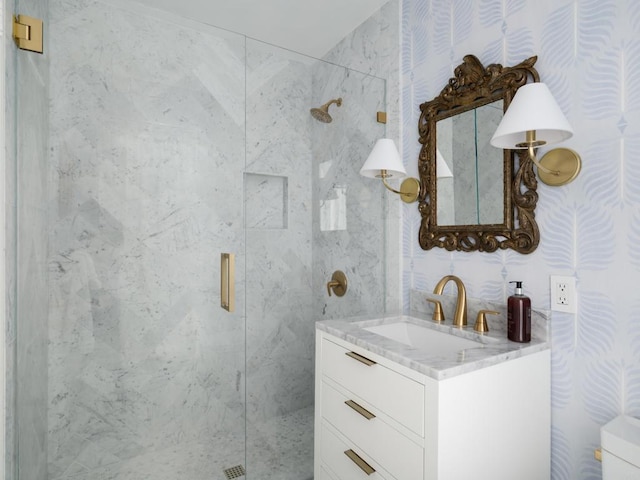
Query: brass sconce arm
column 531, row 144
column 557, row 167
column 409, row 188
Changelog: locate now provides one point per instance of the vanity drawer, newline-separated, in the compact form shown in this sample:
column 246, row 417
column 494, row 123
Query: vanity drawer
column 401, row 457
column 333, row 450
column 324, row 475
column 387, row 390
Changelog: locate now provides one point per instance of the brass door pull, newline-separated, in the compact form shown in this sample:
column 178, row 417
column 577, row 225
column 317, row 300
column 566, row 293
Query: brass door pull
column 338, row 284
column 227, row 281
column 360, row 358
column 360, row 409
column 355, row 458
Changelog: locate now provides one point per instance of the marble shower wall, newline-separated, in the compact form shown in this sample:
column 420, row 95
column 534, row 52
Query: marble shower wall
column 146, row 371
column 588, row 55
column 363, row 240
column 26, row 251
column 354, row 242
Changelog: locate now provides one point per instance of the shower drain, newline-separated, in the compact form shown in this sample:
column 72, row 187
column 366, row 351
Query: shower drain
column 234, row 472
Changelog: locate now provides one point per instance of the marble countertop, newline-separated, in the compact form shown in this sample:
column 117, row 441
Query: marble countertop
column 494, row 347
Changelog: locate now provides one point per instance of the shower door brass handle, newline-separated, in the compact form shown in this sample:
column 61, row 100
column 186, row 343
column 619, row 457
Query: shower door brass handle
column 227, row 281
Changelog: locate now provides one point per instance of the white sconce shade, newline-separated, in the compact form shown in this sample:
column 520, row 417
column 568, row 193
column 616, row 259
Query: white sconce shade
column 532, row 108
column 384, row 156
column 384, row 162
column 442, row 169
column 534, row 119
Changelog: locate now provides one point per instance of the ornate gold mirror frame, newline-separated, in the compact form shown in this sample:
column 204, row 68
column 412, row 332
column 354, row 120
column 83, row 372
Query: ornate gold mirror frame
column 474, row 86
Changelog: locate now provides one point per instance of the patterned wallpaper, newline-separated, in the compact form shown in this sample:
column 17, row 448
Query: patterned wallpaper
column 589, row 55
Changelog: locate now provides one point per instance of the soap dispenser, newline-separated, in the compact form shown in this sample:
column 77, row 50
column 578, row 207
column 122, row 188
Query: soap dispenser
column 519, row 316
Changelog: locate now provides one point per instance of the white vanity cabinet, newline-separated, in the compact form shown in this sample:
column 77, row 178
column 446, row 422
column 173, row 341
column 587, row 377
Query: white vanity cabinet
column 376, row 419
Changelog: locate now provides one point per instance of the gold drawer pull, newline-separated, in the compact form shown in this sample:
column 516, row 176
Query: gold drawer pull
column 360, row 358
column 355, row 458
column 360, row 409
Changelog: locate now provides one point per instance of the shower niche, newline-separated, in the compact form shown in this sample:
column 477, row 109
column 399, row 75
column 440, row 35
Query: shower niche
column 266, row 201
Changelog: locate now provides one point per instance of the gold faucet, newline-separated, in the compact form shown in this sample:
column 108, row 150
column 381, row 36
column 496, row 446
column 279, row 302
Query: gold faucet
column 460, row 317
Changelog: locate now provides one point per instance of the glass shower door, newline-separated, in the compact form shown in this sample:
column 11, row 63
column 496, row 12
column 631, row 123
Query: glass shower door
column 26, row 178
column 146, row 370
column 308, row 212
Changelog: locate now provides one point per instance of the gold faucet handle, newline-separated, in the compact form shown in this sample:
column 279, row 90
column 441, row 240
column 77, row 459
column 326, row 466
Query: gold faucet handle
column 481, row 320
column 438, row 315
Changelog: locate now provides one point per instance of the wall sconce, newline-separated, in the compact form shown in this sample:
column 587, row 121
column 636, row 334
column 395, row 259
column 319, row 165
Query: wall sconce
column 534, row 119
column 384, row 162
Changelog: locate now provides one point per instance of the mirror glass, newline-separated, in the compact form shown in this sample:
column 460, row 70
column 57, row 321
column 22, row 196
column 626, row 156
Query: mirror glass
column 474, row 194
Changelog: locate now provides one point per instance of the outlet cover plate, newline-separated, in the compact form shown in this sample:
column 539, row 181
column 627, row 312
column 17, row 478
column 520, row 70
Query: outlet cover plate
column 563, row 294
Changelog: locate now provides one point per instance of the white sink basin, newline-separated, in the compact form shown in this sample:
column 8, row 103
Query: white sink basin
column 432, row 341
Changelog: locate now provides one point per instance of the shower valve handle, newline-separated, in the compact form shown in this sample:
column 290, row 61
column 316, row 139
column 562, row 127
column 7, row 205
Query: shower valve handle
column 338, row 284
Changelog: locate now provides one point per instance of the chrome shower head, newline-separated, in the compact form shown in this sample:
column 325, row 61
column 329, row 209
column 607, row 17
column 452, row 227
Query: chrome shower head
column 322, row 113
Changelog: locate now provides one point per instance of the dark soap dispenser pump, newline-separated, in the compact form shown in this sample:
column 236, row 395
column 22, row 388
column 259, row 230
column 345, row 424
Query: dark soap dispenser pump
column 519, row 316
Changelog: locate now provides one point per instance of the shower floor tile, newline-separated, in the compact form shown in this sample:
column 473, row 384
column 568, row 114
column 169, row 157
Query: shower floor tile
column 282, row 448
column 279, row 449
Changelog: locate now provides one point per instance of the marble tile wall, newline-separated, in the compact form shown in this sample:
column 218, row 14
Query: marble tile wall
column 367, row 251
column 338, row 150
column 588, row 55
column 146, row 371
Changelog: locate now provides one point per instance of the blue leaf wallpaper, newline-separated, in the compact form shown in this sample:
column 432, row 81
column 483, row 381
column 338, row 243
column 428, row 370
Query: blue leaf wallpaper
column 589, row 55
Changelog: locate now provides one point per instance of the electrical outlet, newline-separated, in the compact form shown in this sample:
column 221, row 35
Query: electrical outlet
column 563, row 294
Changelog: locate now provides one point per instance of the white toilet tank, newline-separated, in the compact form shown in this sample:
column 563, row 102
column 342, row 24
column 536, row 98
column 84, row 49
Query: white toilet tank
column 620, row 442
